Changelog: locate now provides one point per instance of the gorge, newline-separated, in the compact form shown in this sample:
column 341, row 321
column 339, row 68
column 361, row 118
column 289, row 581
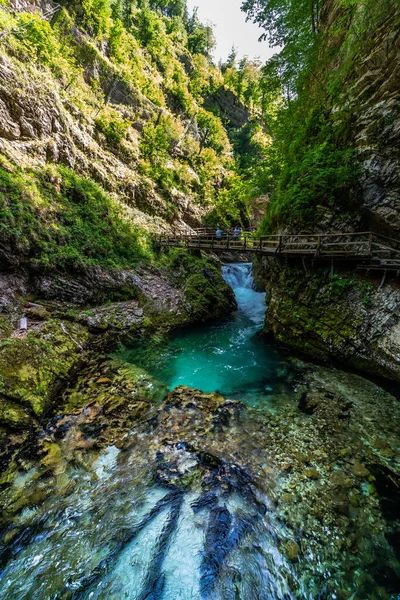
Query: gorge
column 181, row 423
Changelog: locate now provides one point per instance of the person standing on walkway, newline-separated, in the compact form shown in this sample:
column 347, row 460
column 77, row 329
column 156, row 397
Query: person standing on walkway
column 218, row 233
column 236, row 234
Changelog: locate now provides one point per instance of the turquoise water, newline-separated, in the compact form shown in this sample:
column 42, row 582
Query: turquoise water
column 230, row 357
column 181, row 508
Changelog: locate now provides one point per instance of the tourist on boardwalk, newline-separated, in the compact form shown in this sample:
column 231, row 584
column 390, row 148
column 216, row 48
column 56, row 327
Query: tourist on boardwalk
column 218, row 233
column 237, row 233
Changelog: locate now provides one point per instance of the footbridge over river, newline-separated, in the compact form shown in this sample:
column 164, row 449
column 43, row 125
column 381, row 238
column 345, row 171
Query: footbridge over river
column 363, row 250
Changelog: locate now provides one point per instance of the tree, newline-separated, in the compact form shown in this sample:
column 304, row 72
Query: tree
column 293, row 26
column 230, row 62
column 201, row 38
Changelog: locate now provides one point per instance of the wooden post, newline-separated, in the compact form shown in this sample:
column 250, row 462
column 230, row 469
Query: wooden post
column 280, row 245
column 370, row 240
column 318, row 246
column 245, row 242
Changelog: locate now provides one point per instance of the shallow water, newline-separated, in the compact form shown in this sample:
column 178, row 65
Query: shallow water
column 230, row 357
column 202, row 500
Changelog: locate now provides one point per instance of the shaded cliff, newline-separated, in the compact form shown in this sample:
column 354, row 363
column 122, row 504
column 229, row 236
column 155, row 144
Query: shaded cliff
column 336, row 131
column 338, row 141
column 368, row 69
column 339, row 317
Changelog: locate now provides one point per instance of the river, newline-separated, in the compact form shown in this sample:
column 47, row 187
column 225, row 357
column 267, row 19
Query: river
column 269, row 487
column 229, row 356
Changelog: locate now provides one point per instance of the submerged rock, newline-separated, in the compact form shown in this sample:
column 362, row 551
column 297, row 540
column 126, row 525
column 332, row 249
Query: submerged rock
column 292, row 549
column 359, row 470
column 311, row 473
column 32, row 364
column 228, row 465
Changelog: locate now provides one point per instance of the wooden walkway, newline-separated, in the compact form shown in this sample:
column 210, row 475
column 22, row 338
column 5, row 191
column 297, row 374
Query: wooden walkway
column 365, row 250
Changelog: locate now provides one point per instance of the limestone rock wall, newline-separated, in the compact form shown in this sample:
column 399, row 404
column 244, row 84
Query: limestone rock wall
column 342, row 317
column 53, row 130
column 376, row 92
column 371, row 92
column 31, row 5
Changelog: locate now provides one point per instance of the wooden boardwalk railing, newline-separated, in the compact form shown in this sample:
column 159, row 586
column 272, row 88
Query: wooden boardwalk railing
column 367, row 250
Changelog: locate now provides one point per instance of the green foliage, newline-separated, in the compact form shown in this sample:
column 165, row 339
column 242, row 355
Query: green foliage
column 169, row 8
column 292, row 26
column 212, row 131
column 113, row 126
column 306, row 107
column 41, row 44
column 243, row 78
column 93, row 15
column 159, row 138
column 200, row 37
column 157, row 55
column 339, row 284
column 232, row 205
column 316, row 172
column 72, row 225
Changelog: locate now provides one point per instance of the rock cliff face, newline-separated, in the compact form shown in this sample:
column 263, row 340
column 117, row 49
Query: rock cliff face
column 70, row 114
column 52, row 130
column 341, row 317
column 344, row 317
column 74, row 319
column 372, row 95
column 228, row 105
column 31, row 5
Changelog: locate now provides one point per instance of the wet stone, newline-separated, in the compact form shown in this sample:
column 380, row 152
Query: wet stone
column 311, row 473
column 340, row 479
column 292, row 550
column 359, row 470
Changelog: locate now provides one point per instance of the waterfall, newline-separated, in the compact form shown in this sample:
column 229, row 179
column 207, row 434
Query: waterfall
column 239, row 275
column 251, row 304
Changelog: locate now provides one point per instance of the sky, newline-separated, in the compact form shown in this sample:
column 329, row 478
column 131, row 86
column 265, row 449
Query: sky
column 230, row 28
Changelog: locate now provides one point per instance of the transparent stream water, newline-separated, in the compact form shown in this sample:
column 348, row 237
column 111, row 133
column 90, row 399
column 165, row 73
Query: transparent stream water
column 230, row 357
column 161, row 517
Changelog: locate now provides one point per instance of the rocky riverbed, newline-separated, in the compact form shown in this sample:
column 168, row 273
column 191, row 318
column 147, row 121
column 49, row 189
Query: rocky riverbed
column 307, row 485
column 119, row 490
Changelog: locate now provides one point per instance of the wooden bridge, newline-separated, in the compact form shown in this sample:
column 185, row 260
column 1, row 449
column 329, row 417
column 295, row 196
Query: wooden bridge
column 366, row 250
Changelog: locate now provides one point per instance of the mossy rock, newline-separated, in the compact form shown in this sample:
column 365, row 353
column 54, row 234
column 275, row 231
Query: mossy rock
column 30, row 367
column 208, row 295
column 13, row 415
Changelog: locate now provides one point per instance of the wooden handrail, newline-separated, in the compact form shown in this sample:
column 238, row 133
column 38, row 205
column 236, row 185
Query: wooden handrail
column 354, row 246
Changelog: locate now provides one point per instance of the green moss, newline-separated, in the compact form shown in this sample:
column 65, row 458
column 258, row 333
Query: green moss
column 207, row 295
column 30, row 367
column 310, row 312
column 13, row 415
column 70, row 226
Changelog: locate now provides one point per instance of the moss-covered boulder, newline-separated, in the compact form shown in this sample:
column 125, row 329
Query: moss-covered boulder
column 31, row 365
column 13, row 415
column 206, row 293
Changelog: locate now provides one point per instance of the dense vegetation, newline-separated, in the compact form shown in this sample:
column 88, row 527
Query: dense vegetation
column 172, row 135
column 60, row 220
column 292, row 144
column 314, row 158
